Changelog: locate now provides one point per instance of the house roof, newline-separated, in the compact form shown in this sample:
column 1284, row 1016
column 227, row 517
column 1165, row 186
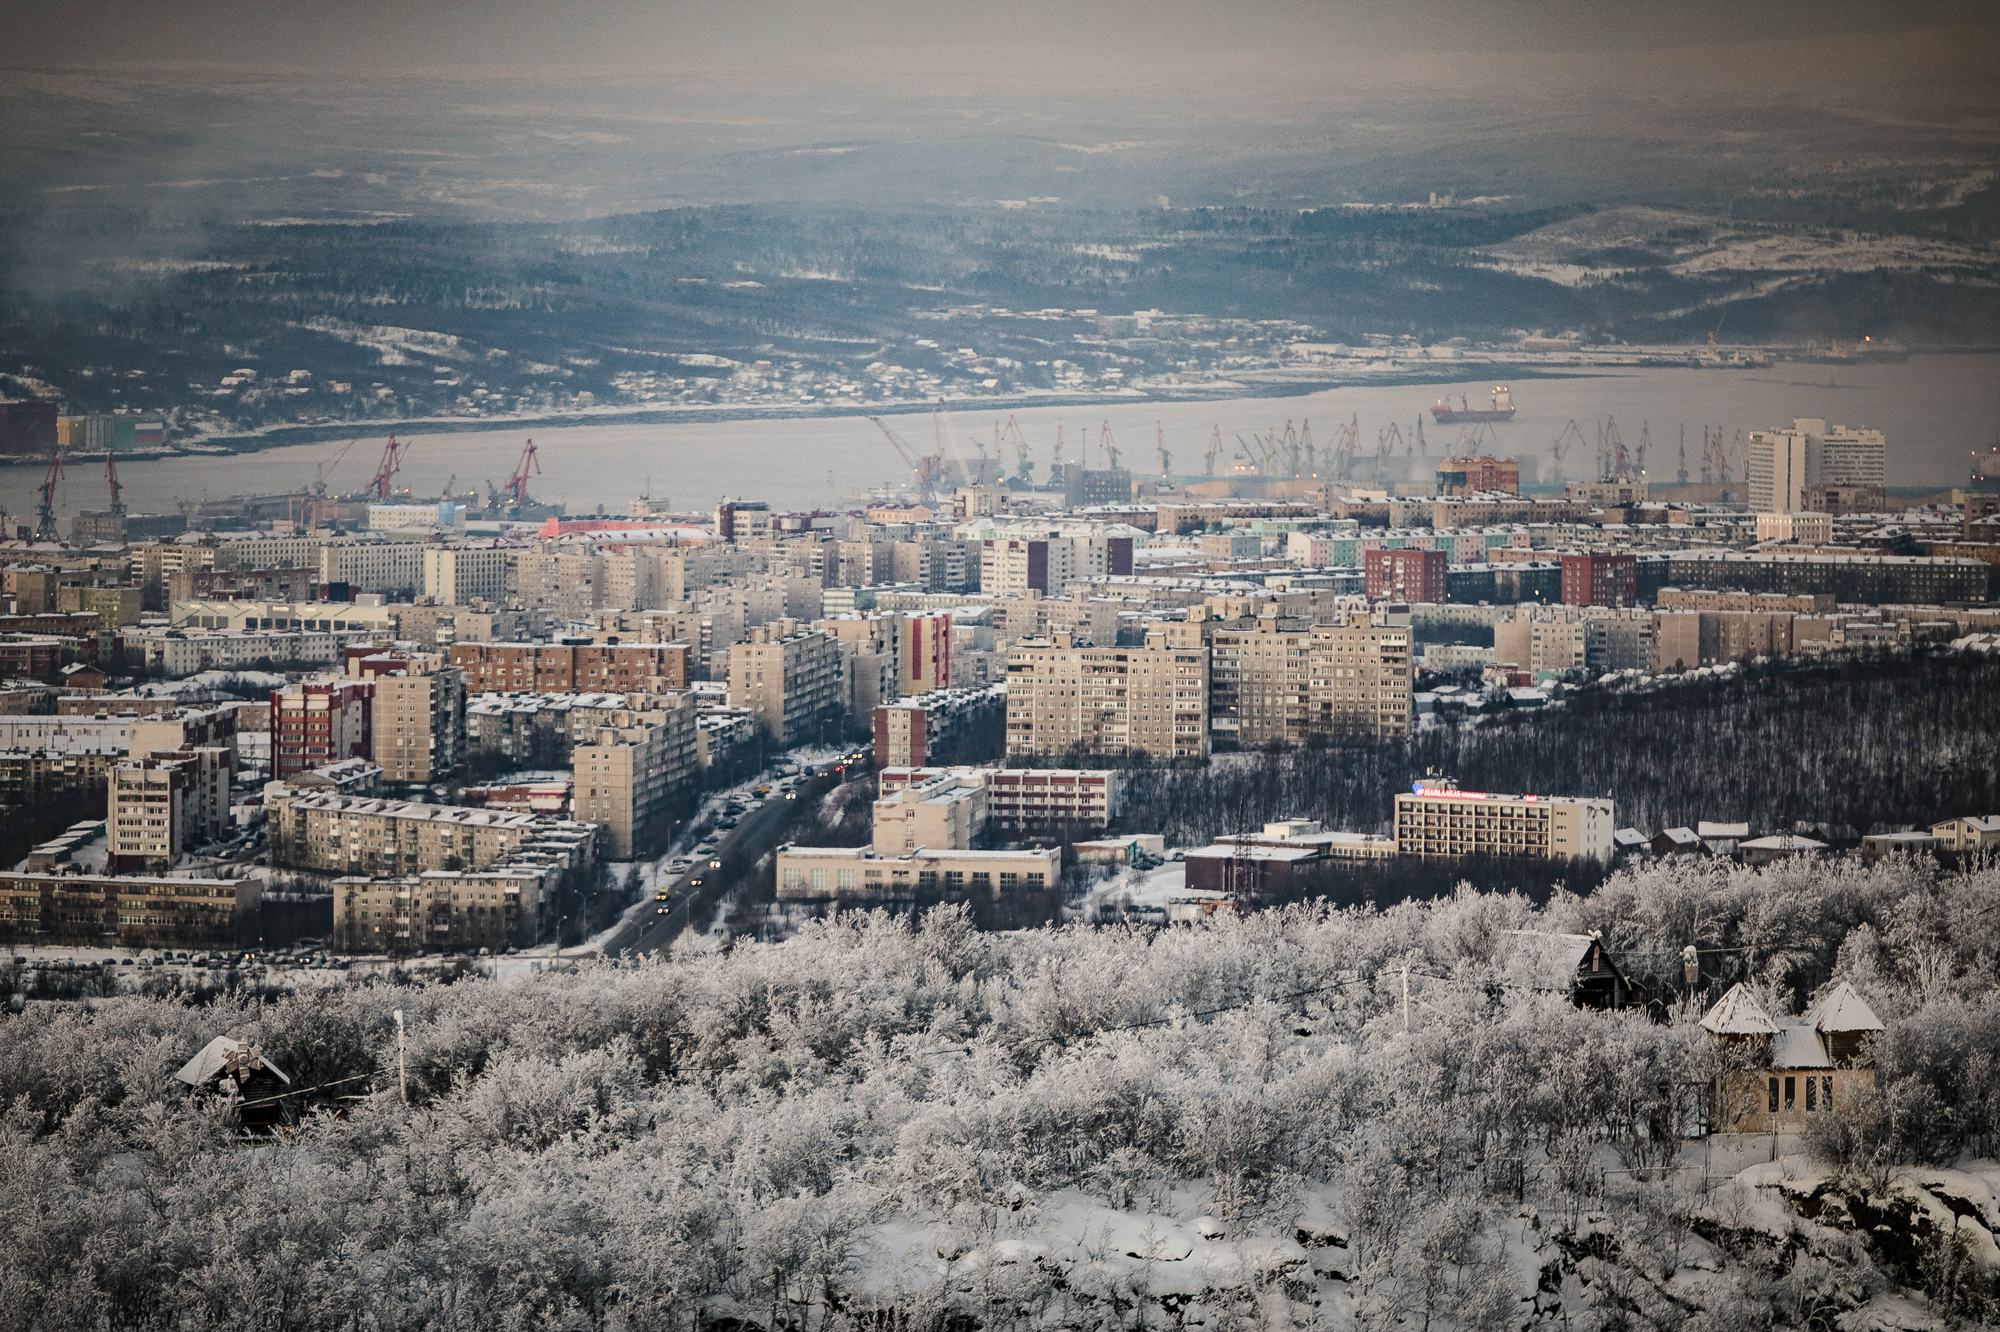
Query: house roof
column 1739, row 1014
column 1553, row 959
column 1842, row 1009
column 1707, row 830
column 213, row 1060
column 1798, row 1046
column 1630, row 837
column 1680, row 836
column 1782, row 842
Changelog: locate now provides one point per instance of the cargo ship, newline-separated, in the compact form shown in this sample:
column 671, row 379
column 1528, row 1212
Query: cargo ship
column 1501, row 410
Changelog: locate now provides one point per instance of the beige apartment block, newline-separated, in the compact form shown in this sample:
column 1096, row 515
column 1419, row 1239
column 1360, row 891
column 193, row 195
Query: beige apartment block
column 1442, row 822
column 1360, row 682
column 789, row 677
column 160, row 806
column 625, row 777
column 496, row 908
column 458, row 577
column 1125, row 702
column 943, row 814
column 360, row 835
column 858, row 873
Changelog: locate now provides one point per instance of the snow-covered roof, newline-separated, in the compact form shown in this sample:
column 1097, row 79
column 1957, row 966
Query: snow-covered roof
column 1797, row 1046
column 1842, row 1009
column 1629, row 837
column 1551, row 958
column 209, row 1064
column 1739, row 1014
column 1680, row 836
column 1782, row 842
column 1706, row 830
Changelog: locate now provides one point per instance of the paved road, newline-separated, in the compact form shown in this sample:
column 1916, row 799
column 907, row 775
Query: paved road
column 757, row 831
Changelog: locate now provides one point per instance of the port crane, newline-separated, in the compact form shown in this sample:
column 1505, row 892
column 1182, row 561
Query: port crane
column 927, row 469
column 111, row 479
column 1020, row 438
column 1645, row 442
column 517, row 484
column 1306, row 446
column 322, row 470
column 1571, row 437
column 45, row 510
column 1110, row 449
column 948, row 438
column 1214, row 451
column 385, row 471
column 1160, row 443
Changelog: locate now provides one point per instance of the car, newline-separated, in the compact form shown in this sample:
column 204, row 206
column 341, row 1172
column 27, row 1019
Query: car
column 661, row 911
column 694, row 883
column 763, row 790
column 727, row 823
column 662, row 895
column 791, row 795
column 678, row 864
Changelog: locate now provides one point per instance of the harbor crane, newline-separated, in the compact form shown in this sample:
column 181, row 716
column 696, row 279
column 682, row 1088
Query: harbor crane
column 1571, row 437
column 45, row 510
column 1110, row 449
column 385, row 471
column 947, row 438
column 1306, row 446
column 322, row 470
column 927, row 469
column 1026, row 466
column 111, row 479
column 1160, row 443
column 517, row 484
column 1214, row 451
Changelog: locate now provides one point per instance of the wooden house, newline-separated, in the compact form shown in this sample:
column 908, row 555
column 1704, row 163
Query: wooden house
column 1797, row 1069
column 1577, row 965
column 237, row 1069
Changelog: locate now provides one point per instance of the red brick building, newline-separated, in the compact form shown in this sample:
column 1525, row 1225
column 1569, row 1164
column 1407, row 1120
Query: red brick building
column 1404, row 575
column 315, row 723
column 1600, row 578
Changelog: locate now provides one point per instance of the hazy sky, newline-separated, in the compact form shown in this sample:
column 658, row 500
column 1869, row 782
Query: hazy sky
column 1038, row 34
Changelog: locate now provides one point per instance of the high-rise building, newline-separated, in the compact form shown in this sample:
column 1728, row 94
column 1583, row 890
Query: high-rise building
column 419, row 715
column 1783, row 464
column 789, row 678
column 1360, row 681
column 1473, row 476
column 624, row 778
column 1149, row 702
column 1776, row 471
column 165, row 803
column 924, row 656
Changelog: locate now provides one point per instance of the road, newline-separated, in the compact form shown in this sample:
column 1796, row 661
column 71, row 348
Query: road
column 756, row 832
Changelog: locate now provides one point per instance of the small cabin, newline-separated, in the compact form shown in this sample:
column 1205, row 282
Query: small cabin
column 1578, row 965
column 238, row 1070
column 1798, row 1069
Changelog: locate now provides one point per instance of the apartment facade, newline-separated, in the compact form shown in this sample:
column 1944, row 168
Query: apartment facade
column 626, row 777
column 498, row 908
column 1441, row 822
column 160, row 806
column 320, row 721
column 789, row 679
column 1404, row 575
column 128, row 911
column 1149, row 702
column 418, row 727
column 459, row 576
column 859, row 874
column 360, row 835
column 571, row 668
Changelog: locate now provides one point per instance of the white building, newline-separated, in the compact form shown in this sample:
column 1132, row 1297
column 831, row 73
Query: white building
column 459, row 577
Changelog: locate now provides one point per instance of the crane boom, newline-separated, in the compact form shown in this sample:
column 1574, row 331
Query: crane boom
column 111, row 478
column 517, row 484
column 924, row 469
column 385, row 471
column 1214, row 451
column 45, row 511
column 1160, row 443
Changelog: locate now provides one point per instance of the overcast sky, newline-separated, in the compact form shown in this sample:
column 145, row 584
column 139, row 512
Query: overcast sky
column 1035, row 36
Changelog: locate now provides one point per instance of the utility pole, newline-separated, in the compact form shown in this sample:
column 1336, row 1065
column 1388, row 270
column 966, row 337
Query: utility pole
column 403, row 1074
column 1406, row 1000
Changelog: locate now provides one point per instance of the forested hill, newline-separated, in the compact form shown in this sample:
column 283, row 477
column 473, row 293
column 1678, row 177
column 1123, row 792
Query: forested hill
column 1871, row 742
column 887, row 1123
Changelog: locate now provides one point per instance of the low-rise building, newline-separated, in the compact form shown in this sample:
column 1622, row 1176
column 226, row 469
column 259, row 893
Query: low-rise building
column 945, row 813
column 356, row 835
column 860, row 874
column 1800, row 1070
column 1972, row 832
column 503, row 907
column 127, row 911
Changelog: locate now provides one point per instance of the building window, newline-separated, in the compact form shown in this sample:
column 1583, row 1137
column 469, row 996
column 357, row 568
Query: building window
column 845, row 880
column 1774, row 1096
column 1826, row 1092
column 1812, row 1093
column 819, row 886
column 1789, row 1091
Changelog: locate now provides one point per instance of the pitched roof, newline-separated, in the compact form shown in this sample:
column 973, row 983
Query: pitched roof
column 1798, row 1046
column 1553, row 959
column 1739, row 1014
column 1726, row 831
column 1842, row 1009
column 213, row 1059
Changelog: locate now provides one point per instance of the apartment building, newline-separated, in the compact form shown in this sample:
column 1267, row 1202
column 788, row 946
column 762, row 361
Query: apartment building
column 1404, row 575
column 945, row 813
column 1804, row 529
column 418, row 725
column 789, row 679
column 320, row 721
column 1018, row 566
column 1149, row 702
column 626, row 778
column 137, row 911
column 286, row 616
column 924, row 655
column 1433, row 822
column 571, row 668
column 459, row 576
column 467, row 910
column 1360, row 680
column 1260, row 682
column 359, row 835
column 162, row 805
column 568, row 583
column 915, row 730
column 365, row 565
column 35, row 774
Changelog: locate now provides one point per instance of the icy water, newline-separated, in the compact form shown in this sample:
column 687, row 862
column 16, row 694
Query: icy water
column 1935, row 410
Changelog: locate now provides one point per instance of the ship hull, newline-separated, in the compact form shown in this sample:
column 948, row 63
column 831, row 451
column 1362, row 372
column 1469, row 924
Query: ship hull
column 1453, row 416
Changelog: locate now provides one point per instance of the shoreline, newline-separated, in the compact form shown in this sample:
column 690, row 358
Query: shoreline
column 288, row 435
